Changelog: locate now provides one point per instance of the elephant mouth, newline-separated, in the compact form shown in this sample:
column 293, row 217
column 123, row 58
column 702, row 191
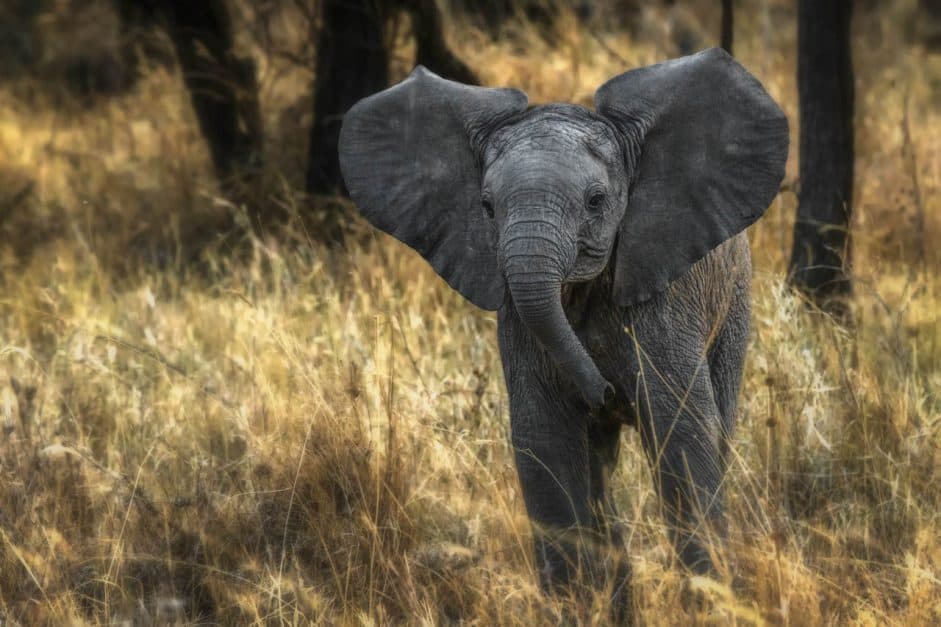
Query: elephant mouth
column 591, row 260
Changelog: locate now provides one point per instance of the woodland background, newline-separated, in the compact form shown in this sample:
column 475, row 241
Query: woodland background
column 224, row 398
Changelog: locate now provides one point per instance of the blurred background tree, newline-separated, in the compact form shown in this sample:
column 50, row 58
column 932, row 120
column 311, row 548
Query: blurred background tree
column 728, row 26
column 222, row 84
column 930, row 23
column 825, row 81
column 353, row 35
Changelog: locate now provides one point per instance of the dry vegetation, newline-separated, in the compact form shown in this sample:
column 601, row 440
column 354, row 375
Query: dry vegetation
column 281, row 433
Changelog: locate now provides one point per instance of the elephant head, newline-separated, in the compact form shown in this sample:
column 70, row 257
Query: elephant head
column 676, row 158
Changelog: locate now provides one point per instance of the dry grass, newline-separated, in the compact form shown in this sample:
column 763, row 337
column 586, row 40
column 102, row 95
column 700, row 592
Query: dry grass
column 293, row 435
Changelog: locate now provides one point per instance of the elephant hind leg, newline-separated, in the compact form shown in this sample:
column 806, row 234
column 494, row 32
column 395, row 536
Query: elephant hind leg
column 727, row 361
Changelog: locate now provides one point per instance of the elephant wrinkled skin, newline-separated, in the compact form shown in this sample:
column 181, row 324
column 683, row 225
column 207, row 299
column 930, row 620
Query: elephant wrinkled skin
column 611, row 244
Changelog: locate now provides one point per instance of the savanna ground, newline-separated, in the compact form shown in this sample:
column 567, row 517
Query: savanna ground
column 265, row 430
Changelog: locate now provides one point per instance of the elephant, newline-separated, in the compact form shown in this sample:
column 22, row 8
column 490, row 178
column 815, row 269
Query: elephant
column 611, row 245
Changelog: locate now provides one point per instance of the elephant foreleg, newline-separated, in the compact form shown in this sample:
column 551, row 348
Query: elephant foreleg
column 682, row 435
column 550, row 427
column 553, row 467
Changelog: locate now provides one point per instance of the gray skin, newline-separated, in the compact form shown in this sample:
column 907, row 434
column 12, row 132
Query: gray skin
column 610, row 243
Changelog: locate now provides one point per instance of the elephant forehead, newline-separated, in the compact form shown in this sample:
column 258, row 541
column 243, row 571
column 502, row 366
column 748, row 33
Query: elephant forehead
column 551, row 132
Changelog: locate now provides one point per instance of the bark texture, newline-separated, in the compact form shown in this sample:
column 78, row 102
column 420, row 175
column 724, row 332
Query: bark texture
column 352, row 63
column 930, row 24
column 728, row 21
column 432, row 49
column 222, row 85
column 821, row 250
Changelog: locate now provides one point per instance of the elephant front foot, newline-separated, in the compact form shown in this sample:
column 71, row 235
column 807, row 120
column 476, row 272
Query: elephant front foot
column 587, row 568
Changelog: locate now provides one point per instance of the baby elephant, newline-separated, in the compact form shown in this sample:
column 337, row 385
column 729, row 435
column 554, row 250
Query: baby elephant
column 611, row 245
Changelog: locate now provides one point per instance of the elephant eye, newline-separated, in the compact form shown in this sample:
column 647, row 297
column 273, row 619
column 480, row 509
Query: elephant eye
column 487, row 206
column 596, row 201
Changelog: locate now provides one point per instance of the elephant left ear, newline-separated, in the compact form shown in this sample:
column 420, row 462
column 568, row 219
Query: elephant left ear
column 707, row 146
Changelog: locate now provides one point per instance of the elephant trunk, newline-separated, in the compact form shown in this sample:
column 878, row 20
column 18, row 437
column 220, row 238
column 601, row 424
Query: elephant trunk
column 536, row 289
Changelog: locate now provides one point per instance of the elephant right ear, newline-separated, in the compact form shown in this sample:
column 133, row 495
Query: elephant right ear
column 409, row 161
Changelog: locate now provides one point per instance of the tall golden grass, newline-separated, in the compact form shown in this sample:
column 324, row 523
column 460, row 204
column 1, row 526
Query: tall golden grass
column 283, row 433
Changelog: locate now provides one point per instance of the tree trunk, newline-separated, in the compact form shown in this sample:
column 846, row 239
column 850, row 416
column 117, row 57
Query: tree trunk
column 727, row 25
column 139, row 21
column 352, row 63
column 821, row 249
column 432, row 49
column 222, row 86
column 492, row 13
column 930, row 24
